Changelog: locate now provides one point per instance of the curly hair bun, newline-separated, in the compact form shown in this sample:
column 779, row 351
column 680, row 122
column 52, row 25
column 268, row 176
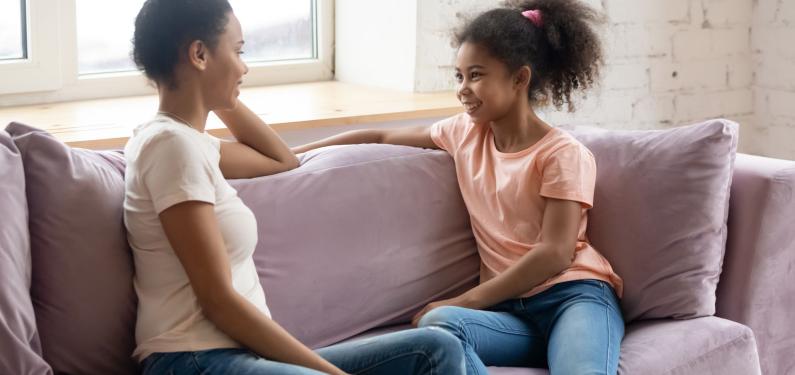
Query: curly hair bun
column 163, row 28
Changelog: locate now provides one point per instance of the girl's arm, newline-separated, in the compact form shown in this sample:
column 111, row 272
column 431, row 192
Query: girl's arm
column 259, row 151
column 555, row 252
column 193, row 233
column 417, row 136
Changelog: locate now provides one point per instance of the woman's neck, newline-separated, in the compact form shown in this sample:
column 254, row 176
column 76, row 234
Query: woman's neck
column 519, row 129
column 184, row 104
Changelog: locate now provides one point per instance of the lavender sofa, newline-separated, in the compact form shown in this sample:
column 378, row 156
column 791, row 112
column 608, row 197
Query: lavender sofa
column 359, row 238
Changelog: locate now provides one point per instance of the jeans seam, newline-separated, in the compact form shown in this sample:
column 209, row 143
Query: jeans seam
column 195, row 363
column 463, row 321
column 427, row 357
column 607, row 360
column 462, row 326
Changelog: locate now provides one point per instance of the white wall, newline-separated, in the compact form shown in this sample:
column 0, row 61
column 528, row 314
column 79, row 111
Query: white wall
column 669, row 62
column 376, row 42
column 774, row 85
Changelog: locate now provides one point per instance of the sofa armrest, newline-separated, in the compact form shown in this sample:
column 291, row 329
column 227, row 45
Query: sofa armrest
column 756, row 287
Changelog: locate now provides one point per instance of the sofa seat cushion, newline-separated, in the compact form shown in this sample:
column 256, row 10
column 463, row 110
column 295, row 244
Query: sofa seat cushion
column 701, row 346
column 707, row 345
column 659, row 215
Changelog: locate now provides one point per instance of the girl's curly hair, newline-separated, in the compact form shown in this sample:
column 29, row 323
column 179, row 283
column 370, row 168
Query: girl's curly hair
column 563, row 52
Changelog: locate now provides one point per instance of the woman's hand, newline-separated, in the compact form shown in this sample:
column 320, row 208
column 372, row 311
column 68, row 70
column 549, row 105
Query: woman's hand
column 461, row 301
column 258, row 151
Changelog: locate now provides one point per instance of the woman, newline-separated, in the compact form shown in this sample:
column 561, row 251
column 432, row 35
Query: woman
column 201, row 306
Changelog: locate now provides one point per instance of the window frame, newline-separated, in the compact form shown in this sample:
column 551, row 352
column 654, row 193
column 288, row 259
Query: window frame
column 40, row 69
column 50, row 74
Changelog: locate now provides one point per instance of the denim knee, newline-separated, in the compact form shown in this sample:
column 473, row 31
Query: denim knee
column 434, row 338
column 447, row 318
column 444, row 351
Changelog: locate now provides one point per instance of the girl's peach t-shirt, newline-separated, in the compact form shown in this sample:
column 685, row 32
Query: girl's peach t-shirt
column 505, row 194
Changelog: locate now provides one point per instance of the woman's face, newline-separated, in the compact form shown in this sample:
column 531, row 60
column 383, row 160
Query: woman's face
column 225, row 68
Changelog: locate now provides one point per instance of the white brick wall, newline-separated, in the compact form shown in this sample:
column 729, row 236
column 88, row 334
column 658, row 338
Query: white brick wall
column 773, row 40
column 669, row 63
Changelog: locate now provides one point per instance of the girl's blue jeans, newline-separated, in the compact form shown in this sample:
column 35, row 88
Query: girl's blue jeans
column 574, row 327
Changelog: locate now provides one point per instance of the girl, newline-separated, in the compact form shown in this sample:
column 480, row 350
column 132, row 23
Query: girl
column 201, row 306
column 546, row 296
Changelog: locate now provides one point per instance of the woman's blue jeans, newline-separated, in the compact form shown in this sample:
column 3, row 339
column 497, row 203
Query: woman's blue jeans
column 574, row 327
column 415, row 351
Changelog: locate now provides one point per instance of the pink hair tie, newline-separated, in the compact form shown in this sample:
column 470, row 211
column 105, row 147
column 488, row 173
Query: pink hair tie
column 534, row 16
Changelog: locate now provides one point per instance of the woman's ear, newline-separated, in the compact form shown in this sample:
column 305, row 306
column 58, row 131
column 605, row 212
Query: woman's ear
column 197, row 54
column 522, row 77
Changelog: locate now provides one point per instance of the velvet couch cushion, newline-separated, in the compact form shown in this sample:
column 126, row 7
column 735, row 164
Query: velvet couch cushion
column 81, row 286
column 707, row 345
column 659, row 215
column 19, row 340
column 359, row 236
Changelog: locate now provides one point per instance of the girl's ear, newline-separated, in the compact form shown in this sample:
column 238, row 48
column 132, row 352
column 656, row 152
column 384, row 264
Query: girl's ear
column 197, row 54
column 522, row 78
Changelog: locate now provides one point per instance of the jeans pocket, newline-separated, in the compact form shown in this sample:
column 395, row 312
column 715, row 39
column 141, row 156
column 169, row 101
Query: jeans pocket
column 149, row 364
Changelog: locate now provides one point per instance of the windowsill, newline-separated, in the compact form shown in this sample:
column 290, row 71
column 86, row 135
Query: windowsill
column 108, row 123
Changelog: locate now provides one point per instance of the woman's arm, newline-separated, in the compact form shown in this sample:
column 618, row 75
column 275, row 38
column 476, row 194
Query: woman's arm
column 259, row 151
column 559, row 230
column 417, row 136
column 192, row 231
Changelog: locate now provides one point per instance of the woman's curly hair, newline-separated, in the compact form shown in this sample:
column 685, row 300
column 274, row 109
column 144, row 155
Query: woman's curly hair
column 564, row 52
column 164, row 28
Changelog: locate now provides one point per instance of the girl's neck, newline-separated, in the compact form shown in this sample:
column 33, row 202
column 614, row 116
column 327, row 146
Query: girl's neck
column 519, row 129
column 184, row 105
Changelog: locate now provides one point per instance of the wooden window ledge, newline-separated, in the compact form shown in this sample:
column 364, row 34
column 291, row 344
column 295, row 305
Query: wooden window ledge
column 108, row 123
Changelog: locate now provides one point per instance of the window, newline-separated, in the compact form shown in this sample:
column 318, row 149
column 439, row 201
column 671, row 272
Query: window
column 104, row 31
column 12, row 30
column 286, row 34
column 286, row 41
column 273, row 31
column 29, row 53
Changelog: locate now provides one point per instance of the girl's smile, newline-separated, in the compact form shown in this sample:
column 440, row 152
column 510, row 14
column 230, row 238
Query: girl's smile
column 486, row 88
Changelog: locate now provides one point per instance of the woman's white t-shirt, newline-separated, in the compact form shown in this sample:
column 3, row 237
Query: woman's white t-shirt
column 169, row 163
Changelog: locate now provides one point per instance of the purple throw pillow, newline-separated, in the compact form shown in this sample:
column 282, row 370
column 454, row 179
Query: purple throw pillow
column 82, row 281
column 21, row 348
column 359, row 237
column 660, row 212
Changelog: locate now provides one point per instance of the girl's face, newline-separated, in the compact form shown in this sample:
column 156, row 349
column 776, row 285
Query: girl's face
column 486, row 88
column 225, row 68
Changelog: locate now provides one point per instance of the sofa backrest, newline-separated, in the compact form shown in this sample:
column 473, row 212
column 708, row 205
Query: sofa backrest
column 660, row 213
column 359, row 237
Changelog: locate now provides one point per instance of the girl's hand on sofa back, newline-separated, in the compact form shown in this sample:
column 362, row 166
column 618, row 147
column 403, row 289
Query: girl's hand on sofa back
column 416, row 136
